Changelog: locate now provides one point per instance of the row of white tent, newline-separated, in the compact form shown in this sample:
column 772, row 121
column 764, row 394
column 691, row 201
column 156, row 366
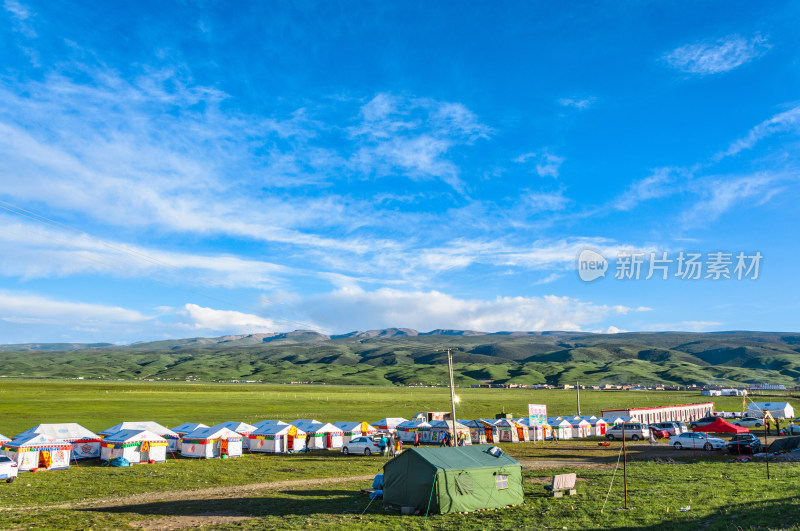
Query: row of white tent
column 53, row 446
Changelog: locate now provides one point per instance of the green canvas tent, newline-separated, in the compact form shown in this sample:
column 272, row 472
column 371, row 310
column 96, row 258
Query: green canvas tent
column 460, row 479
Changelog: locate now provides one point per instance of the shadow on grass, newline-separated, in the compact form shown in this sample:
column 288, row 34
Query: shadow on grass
column 312, row 502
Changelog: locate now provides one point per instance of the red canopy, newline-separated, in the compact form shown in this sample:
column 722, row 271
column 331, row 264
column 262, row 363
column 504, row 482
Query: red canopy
column 720, row 426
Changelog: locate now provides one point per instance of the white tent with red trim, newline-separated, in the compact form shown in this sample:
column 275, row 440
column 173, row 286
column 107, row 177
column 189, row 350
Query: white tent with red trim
column 211, row 442
column 351, row 430
column 37, row 451
column 137, row 446
column 320, row 435
column 85, row 444
column 277, row 438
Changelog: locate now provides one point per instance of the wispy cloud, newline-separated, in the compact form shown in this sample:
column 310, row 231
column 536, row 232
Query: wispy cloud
column 546, row 164
column 577, row 103
column 788, row 120
column 719, row 195
column 21, row 15
column 723, row 55
column 663, row 182
column 27, row 308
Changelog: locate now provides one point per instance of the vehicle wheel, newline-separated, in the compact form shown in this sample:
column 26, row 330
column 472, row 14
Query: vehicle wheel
column 367, row 452
column 737, row 424
column 610, row 437
column 758, row 424
column 693, row 426
column 10, row 480
column 707, row 447
column 345, row 450
column 635, row 438
column 677, row 446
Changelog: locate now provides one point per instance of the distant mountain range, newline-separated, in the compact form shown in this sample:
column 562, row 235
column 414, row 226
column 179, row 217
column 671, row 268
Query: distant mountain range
column 403, row 355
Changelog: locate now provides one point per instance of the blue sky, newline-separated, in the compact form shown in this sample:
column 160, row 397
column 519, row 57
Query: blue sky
column 211, row 168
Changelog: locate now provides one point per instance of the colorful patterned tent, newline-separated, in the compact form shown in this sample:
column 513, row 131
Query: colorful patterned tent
column 36, row 451
column 277, row 438
column 320, row 435
column 153, row 427
column 137, row 446
column 211, row 442
column 351, row 430
column 85, row 444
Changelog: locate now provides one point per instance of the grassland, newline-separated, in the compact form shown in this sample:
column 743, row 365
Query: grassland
column 317, row 489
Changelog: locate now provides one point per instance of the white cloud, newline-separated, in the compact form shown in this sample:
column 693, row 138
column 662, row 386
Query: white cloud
column 577, row 103
column 25, row 308
column 227, row 321
column 721, row 195
column 661, row 183
column 723, row 55
column 21, row 15
column 428, row 310
column 546, row 164
column 785, row 121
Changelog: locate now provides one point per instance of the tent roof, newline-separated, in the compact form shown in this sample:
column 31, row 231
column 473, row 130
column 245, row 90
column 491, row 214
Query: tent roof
column 351, row 425
column 149, row 425
column 274, row 429
column 212, row 433
column 4, row 438
column 447, row 424
column 264, row 423
column 188, row 427
column 35, row 439
column 720, row 426
column 134, row 435
column 238, row 427
column 390, row 422
column 462, row 457
column 314, row 426
column 69, row 430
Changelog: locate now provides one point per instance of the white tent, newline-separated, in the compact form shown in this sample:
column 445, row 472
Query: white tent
column 85, row 444
column 388, row 424
column 3, row 439
column 561, row 426
column 36, row 451
column 211, row 442
column 598, row 426
column 440, row 427
column 320, row 435
column 278, row 438
column 407, row 431
column 477, row 431
column 241, row 428
column 351, row 430
column 778, row 410
column 153, row 427
column 187, row 428
column 580, row 427
column 137, row 446
column 535, row 432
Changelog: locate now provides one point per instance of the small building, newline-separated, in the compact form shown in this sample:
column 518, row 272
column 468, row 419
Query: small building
column 277, row 438
column 85, row 444
column 36, row 451
column 187, row 427
column 678, row 413
column 351, row 430
column 206, row 443
column 320, row 435
column 137, row 446
column 711, row 392
column 778, row 410
column 449, row 480
column 173, row 439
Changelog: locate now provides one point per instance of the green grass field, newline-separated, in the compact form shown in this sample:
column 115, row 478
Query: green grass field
column 722, row 495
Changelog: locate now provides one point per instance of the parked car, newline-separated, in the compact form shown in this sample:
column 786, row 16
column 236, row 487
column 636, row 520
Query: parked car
column 696, row 440
column 748, row 422
column 793, row 428
column 658, row 433
column 361, row 445
column 744, row 443
column 8, row 469
column 634, row 431
column 672, row 428
column 705, row 421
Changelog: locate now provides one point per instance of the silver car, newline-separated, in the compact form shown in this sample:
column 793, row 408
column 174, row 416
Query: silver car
column 749, row 422
column 361, row 445
column 696, row 441
column 8, row 469
column 634, row 431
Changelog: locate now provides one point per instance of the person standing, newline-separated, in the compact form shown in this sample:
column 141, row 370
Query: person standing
column 416, row 440
column 382, row 444
column 392, row 446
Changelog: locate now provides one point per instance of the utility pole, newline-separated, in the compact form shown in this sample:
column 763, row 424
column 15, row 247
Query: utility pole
column 452, row 395
column 625, row 465
column 578, row 390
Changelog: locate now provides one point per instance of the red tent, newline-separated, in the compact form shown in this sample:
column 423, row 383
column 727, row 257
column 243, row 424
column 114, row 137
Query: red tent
column 720, row 426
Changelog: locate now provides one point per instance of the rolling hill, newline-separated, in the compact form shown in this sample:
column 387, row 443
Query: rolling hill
column 402, row 356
